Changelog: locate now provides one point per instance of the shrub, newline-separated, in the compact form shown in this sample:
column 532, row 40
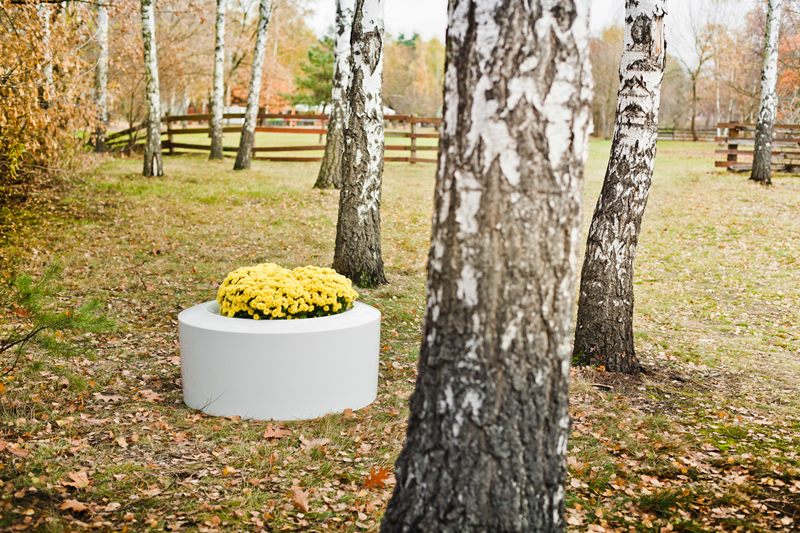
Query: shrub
column 33, row 317
column 270, row 291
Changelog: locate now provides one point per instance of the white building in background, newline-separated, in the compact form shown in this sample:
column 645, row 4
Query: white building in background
column 234, row 109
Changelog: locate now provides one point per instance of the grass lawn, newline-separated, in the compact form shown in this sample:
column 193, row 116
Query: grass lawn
column 707, row 439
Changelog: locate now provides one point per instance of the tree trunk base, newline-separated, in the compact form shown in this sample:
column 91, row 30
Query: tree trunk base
column 620, row 361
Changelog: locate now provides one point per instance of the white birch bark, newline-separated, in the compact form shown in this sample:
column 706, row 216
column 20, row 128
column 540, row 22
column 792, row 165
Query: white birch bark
column 101, row 77
column 247, row 138
column 153, row 164
column 358, row 248
column 487, row 434
column 762, row 153
column 218, row 92
column 604, row 330
column 330, row 170
column 48, row 90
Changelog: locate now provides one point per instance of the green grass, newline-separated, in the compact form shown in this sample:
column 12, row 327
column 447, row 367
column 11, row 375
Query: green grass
column 717, row 294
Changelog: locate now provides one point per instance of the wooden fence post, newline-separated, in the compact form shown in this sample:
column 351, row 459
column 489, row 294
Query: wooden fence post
column 733, row 145
column 413, row 158
column 169, row 135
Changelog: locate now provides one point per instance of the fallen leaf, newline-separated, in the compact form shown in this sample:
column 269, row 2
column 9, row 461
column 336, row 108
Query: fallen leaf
column 300, row 499
column 309, row 444
column 151, row 396
column 276, row 432
column 229, row 471
column 107, row 398
column 16, row 449
column 79, row 480
column 376, row 478
column 73, row 505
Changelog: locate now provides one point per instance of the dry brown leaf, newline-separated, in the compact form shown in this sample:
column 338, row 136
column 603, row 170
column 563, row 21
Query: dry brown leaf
column 377, row 478
column 78, row 480
column 151, row 396
column 309, row 444
column 73, row 505
column 17, row 450
column 300, row 499
column 276, row 432
column 107, row 398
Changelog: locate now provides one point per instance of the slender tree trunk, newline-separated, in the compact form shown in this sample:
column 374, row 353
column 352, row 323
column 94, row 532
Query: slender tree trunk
column 604, row 331
column 487, row 434
column 694, row 108
column 218, row 94
column 358, row 231
column 153, row 164
column 248, row 137
column 47, row 90
column 101, row 78
column 330, row 171
column 762, row 153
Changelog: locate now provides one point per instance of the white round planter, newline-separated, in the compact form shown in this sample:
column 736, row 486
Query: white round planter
column 279, row 369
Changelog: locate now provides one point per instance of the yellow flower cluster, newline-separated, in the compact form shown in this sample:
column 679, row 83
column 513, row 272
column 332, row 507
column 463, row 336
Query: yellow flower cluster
column 270, row 291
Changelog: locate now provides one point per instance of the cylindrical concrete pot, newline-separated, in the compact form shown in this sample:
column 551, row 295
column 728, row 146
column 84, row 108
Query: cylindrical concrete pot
column 279, row 369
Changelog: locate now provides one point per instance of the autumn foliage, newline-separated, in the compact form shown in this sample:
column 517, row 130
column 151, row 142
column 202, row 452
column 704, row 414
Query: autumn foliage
column 42, row 120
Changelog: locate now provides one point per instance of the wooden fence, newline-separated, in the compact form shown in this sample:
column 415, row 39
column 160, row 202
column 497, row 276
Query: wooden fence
column 681, row 134
column 736, row 152
column 401, row 127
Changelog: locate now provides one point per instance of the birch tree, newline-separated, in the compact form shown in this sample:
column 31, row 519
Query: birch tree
column 357, row 253
column 218, row 92
column 487, row 435
column 101, row 77
column 48, row 90
column 153, row 164
column 762, row 152
column 248, row 136
column 330, row 171
column 604, row 330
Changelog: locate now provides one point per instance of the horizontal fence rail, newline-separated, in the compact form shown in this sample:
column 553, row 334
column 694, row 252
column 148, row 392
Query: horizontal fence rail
column 681, row 134
column 736, row 148
column 405, row 127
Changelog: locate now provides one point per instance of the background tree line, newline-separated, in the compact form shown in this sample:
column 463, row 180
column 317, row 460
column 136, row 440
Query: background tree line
column 713, row 71
column 712, row 75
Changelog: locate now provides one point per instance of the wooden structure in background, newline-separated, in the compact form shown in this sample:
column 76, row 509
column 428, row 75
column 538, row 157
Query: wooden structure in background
column 736, row 148
column 397, row 127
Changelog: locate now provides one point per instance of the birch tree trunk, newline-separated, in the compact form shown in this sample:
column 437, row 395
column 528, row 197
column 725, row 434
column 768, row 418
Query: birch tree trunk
column 358, row 231
column 47, row 91
column 487, row 435
column 248, row 136
column 330, row 171
column 762, row 153
column 101, row 78
column 604, row 330
column 218, row 92
column 153, row 164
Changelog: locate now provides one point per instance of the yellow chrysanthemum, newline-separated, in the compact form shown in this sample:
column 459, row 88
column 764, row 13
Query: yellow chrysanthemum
column 270, row 291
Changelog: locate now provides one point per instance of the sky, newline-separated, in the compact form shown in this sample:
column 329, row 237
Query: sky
column 429, row 17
